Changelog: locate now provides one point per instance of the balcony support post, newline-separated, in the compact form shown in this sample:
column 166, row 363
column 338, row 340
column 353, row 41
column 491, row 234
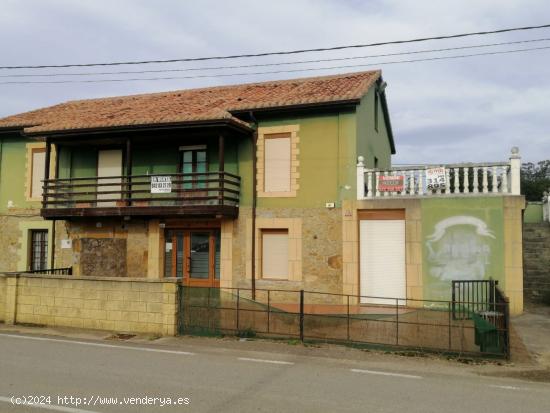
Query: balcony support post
column 221, row 156
column 46, row 172
column 128, row 185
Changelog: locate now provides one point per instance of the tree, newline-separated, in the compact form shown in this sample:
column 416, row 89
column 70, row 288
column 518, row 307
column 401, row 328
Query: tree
column 535, row 179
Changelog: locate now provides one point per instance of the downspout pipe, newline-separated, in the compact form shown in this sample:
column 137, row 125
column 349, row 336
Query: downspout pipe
column 254, row 198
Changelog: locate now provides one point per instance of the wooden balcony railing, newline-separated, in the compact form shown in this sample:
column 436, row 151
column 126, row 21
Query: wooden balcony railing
column 210, row 192
column 489, row 178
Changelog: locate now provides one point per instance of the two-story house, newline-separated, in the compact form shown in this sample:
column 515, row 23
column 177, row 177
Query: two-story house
column 275, row 185
column 168, row 184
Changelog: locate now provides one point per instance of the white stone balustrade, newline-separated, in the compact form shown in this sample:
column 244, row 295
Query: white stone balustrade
column 465, row 179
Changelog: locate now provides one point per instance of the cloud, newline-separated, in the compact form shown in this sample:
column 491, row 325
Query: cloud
column 446, row 111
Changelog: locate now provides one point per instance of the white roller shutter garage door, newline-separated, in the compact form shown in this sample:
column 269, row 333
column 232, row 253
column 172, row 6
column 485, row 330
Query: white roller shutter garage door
column 382, row 261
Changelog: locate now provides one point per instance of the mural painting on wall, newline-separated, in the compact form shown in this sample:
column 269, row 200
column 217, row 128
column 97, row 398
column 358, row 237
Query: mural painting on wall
column 459, row 249
column 462, row 239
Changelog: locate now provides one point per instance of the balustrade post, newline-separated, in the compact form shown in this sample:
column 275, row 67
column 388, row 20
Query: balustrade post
column 361, row 178
column 494, row 180
column 475, row 181
column 457, row 181
column 515, row 171
column 421, row 173
column 485, row 181
column 466, row 181
column 369, row 184
column 505, row 181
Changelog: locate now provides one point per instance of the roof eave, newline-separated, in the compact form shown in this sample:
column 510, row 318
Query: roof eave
column 386, row 113
column 144, row 127
column 338, row 104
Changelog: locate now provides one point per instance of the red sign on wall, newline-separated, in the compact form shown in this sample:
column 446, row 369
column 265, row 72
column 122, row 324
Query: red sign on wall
column 391, row 183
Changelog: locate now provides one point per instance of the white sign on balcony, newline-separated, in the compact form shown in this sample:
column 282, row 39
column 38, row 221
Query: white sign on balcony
column 436, row 178
column 161, row 184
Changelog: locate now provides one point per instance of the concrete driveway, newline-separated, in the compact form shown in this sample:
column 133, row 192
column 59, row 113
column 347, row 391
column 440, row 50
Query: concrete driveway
column 533, row 327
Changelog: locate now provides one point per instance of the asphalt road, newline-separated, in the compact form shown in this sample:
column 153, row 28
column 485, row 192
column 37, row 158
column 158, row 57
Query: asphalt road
column 215, row 378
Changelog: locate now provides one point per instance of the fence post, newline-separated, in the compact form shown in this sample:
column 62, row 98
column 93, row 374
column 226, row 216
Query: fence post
column 238, row 296
column 397, row 323
column 492, row 306
column 507, row 327
column 208, row 310
column 453, row 293
column 301, row 315
column 268, row 309
column 348, row 319
column 450, row 331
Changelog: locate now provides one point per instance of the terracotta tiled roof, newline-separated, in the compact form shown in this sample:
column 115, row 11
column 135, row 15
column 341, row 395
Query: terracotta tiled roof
column 214, row 103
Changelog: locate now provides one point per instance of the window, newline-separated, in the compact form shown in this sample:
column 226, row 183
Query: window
column 275, row 254
column 277, row 162
column 278, row 157
column 38, row 162
column 38, row 249
column 194, row 160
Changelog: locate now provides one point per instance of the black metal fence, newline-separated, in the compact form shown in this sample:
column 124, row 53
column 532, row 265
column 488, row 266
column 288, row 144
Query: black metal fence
column 47, row 271
column 484, row 303
column 472, row 296
column 312, row 316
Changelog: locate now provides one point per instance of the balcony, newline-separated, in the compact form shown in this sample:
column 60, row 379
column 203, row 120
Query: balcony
column 205, row 194
column 464, row 179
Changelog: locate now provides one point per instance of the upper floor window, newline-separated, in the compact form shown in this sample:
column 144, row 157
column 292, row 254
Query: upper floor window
column 36, row 166
column 278, row 161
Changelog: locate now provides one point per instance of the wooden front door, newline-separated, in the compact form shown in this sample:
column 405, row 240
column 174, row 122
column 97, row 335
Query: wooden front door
column 194, row 256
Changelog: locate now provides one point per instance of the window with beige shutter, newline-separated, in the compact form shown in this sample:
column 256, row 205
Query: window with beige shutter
column 275, row 254
column 37, row 165
column 277, row 162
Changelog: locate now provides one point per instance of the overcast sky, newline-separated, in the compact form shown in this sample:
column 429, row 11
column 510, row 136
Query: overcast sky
column 459, row 110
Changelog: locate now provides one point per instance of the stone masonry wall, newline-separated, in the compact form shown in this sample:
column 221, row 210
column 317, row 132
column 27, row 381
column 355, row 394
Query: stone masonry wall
column 11, row 240
column 116, row 304
column 110, row 247
column 536, row 261
column 320, row 248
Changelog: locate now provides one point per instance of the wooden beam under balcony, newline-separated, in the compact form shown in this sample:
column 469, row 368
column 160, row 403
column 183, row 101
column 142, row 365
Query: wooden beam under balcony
column 190, row 211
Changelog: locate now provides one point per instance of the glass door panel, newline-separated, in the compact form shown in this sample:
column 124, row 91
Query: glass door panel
column 199, row 256
column 193, row 256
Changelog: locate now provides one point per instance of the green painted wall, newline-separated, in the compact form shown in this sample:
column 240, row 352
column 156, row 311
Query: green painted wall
column 327, row 161
column 13, row 174
column 329, row 146
column 155, row 159
column 462, row 238
column 372, row 143
column 533, row 213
